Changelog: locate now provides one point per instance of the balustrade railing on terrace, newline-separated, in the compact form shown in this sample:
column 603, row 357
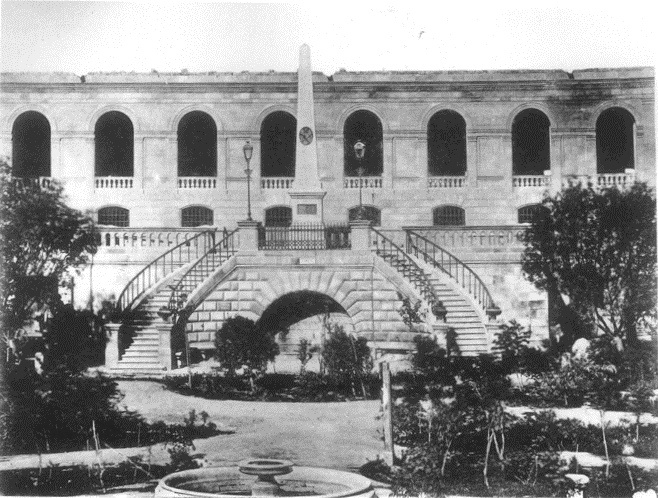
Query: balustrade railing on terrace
column 194, row 182
column 459, row 271
column 304, row 236
column 615, row 179
column 143, row 238
column 276, row 183
column 364, row 181
column 531, row 180
column 113, row 182
column 503, row 237
column 446, row 181
column 404, row 264
column 196, row 274
column 41, row 181
column 179, row 255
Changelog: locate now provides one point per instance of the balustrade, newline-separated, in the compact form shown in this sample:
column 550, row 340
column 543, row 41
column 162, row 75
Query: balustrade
column 615, row 179
column 467, row 237
column 41, row 181
column 365, row 182
column 113, row 182
column 144, row 237
column 276, row 183
column 530, row 181
column 197, row 182
column 446, row 181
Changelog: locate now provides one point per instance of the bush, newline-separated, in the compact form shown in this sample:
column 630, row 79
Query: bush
column 240, row 344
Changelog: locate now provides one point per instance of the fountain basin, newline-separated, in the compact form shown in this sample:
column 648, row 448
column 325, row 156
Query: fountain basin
column 228, row 482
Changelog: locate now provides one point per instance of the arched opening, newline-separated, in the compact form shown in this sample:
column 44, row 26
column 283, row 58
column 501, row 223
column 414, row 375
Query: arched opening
column 197, row 145
column 301, row 315
column 531, row 143
column 278, row 216
column 371, row 213
column 278, row 144
column 527, row 213
column 448, row 216
column 446, row 144
column 366, row 127
column 196, row 216
column 114, row 216
column 31, row 145
column 114, row 140
column 615, row 141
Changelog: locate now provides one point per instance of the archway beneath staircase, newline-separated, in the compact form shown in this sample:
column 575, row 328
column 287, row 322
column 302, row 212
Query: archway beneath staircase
column 303, row 316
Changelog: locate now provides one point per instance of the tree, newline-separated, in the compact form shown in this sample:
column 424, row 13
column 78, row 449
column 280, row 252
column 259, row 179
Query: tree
column 41, row 239
column 597, row 248
column 347, row 359
column 241, row 344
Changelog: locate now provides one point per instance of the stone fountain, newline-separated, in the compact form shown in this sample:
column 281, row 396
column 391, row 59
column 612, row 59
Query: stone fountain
column 272, row 478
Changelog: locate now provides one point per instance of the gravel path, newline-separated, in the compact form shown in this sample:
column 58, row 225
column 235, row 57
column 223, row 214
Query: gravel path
column 336, row 435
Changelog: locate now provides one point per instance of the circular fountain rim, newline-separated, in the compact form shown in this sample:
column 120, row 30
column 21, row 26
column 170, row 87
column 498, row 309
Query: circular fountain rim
column 357, row 484
column 265, row 467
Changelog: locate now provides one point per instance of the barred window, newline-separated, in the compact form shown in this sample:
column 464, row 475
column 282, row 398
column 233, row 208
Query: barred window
column 196, row 216
column 527, row 213
column 449, row 215
column 280, row 216
column 371, row 213
column 114, row 216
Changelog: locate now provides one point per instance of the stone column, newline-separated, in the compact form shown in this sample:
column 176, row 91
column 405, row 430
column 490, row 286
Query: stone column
column 164, row 350
column 360, row 235
column 112, row 345
column 248, row 235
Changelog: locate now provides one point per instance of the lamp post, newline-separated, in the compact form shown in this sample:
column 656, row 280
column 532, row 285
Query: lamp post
column 359, row 152
column 248, row 149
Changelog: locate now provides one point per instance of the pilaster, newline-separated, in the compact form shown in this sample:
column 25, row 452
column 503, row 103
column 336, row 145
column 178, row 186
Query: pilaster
column 112, row 345
column 248, row 232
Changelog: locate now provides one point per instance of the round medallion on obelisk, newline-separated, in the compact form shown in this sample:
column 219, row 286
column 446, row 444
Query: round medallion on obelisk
column 306, row 135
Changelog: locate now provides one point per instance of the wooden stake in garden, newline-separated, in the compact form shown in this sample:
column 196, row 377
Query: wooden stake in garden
column 387, row 407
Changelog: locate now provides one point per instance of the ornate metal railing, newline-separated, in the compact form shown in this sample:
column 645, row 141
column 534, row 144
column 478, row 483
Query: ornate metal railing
column 275, row 183
column 197, row 182
column 304, row 236
column 179, row 255
column 459, row 271
column 113, row 182
column 196, row 274
column 407, row 267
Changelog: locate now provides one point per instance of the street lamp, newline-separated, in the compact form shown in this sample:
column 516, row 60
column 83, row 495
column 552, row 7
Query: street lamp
column 359, row 152
column 248, row 149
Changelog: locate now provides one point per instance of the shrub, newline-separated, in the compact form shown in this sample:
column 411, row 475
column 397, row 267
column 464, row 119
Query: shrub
column 347, row 359
column 240, row 344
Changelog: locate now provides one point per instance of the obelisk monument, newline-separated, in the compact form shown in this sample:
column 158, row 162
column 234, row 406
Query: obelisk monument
column 306, row 195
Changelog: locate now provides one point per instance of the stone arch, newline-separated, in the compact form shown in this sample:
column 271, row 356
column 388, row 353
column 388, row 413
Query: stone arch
column 174, row 122
column 114, row 145
column 604, row 106
column 99, row 112
column 446, row 133
column 540, row 106
column 615, row 140
column 11, row 118
column 365, row 126
column 383, row 119
column 531, row 142
column 197, row 144
column 257, row 122
column 433, row 109
column 278, row 144
column 31, row 139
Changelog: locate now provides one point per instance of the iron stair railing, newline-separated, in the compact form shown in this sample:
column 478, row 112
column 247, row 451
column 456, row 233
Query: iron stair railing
column 172, row 259
column 405, row 265
column 216, row 256
column 459, row 271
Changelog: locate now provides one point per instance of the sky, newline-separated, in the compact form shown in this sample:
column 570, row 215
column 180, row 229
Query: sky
column 85, row 36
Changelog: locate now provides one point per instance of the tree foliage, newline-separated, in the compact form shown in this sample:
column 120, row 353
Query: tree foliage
column 597, row 248
column 41, row 238
column 241, row 344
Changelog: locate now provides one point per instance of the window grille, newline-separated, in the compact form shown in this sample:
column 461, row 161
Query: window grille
column 449, row 215
column 527, row 213
column 196, row 216
column 114, row 216
column 280, row 216
column 370, row 213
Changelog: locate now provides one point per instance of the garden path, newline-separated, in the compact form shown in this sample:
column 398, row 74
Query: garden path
column 343, row 435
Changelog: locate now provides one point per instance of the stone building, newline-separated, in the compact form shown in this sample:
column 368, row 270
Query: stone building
column 453, row 165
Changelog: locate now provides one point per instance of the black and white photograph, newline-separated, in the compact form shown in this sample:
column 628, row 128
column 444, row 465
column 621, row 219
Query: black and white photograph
column 328, row 250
